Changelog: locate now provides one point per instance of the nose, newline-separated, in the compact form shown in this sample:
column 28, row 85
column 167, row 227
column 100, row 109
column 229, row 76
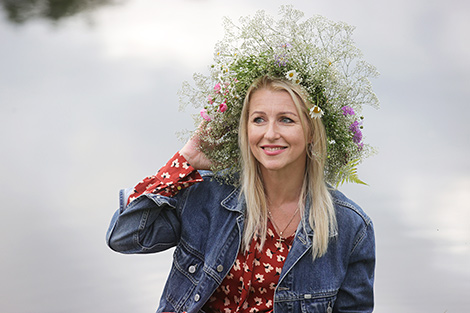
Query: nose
column 272, row 132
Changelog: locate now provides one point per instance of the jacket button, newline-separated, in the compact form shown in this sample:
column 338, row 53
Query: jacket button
column 192, row 269
column 197, row 297
column 220, row 268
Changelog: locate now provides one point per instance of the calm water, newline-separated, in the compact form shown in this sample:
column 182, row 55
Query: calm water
column 89, row 106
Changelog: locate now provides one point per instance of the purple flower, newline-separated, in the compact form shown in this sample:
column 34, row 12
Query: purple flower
column 355, row 128
column 347, row 110
column 281, row 60
column 286, row 45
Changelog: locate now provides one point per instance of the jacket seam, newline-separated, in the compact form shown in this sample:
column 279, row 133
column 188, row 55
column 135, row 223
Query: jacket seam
column 347, row 205
column 360, row 238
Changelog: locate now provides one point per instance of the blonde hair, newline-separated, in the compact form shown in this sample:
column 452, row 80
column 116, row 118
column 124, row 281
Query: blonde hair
column 322, row 216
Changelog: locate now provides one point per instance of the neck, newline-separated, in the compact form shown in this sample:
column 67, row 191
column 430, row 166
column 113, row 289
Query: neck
column 283, row 188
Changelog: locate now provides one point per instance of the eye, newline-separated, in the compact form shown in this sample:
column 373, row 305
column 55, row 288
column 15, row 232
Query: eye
column 258, row 120
column 287, row 120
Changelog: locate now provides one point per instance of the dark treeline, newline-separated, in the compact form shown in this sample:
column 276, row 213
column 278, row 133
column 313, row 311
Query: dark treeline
column 20, row 11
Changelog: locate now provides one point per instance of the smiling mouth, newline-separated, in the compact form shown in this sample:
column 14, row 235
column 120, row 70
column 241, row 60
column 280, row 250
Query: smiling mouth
column 273, row 148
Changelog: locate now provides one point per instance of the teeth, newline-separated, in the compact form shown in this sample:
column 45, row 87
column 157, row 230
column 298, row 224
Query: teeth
column 272, row 149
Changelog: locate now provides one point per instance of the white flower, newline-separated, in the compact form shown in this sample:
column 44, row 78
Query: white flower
column 269, row 253
column 279, row 246
column 175, row 163
column 267, row 267
column 237, row 265
column 292, row 75
column 259, row 277
column 316, row 112
column 246, row 267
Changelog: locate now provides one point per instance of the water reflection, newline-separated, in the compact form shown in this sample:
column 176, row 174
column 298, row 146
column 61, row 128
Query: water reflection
column 20, row 11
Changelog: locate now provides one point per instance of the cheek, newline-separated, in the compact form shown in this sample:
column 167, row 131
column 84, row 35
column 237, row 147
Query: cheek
column 252, row 136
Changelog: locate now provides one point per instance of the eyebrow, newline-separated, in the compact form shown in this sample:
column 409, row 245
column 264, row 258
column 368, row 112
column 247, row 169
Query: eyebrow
column 280, row 113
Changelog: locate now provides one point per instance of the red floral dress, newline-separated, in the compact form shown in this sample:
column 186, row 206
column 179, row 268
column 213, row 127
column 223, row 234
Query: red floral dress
column 250, row 284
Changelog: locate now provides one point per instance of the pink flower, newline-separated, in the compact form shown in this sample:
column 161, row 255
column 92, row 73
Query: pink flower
column 217, row 88
column 222, row 107
column 210, row 99
column 205, row 115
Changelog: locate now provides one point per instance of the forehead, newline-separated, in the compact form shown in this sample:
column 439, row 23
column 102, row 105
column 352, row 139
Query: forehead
column 267, row 100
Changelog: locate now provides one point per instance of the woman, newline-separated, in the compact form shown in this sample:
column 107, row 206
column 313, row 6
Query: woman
column 225, row 236
column 275, row 237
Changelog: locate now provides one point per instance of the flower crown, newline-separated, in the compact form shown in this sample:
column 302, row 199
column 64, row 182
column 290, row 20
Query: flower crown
column 315, row 53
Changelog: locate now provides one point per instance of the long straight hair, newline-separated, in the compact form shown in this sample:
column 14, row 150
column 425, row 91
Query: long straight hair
column 322, row 217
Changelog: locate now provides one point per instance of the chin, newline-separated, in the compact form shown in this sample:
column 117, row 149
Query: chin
column 271, row 167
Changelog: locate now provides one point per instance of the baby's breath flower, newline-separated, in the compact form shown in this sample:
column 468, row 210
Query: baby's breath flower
column 328, row 67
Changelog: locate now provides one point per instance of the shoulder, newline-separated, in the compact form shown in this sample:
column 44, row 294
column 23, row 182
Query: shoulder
column 218, row 181
column 213, row 190
column 347, row 211
column 355, row 228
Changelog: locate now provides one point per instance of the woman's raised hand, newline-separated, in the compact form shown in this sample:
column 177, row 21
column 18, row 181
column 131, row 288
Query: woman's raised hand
column 193, row 155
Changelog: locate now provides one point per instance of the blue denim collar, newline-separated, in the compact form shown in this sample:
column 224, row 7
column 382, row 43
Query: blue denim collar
column 234, row 202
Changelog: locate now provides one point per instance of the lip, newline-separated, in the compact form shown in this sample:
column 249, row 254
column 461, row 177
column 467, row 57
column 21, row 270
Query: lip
column 272, row 150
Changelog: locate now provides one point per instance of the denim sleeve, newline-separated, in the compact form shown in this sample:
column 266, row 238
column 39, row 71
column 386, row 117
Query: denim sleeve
column 148, row 224
column 357, row 290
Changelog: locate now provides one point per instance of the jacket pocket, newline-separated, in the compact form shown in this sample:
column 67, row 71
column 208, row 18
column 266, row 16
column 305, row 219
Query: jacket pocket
column 186, row 272
column 321, row 303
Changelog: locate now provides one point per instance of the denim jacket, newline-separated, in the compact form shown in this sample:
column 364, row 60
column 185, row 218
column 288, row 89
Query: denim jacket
column 205, row 223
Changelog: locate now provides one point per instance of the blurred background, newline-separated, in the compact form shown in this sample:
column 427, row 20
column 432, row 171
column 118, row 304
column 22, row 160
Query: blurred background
column 88, row 105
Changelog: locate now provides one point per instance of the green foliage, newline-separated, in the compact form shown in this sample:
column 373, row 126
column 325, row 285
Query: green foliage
column 348, row 174
column 315, row 53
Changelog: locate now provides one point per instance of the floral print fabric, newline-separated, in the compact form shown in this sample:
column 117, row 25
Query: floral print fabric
column 250, row 284
column 169, row 180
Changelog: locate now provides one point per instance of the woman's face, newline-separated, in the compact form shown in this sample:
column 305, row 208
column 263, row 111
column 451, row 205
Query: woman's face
column 275, row 132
